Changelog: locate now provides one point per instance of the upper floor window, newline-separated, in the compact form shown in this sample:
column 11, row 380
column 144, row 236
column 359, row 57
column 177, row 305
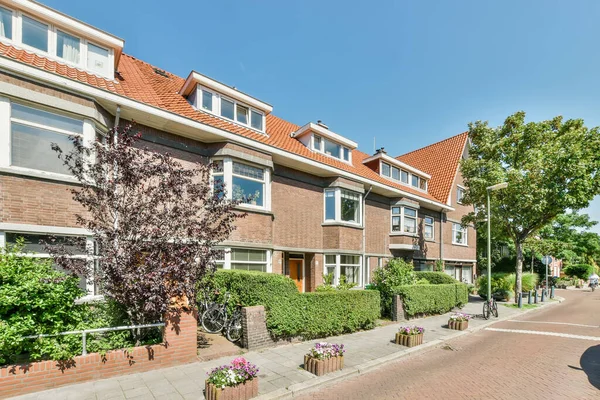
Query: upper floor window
column 404, row 219
column 459, row 234
column 32, row 133
column 248, row 183
column 401, row 175
column 342, row 206
column 428, row 228
column 317, row 142
column 460, row 194
column 207, row 100
column 55, row 43
column 214, row 103
column 330, row 148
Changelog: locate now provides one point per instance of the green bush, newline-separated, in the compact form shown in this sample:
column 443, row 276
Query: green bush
column 436, row 278
column 581, row 271
column 396, row 273
column 322, row 314
column 292, row 314
column 528, row 281
column 432, row 299
column 503, row 284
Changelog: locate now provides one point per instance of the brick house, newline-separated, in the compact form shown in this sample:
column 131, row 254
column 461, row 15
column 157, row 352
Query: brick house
column 320, row 205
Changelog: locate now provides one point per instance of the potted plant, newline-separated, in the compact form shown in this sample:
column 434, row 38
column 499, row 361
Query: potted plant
column 239, row 380
column 324, row 358
column 459, row 321
column 410, row 336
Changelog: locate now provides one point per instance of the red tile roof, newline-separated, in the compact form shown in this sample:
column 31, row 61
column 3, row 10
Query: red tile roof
column 440, row 160
column 139, row 81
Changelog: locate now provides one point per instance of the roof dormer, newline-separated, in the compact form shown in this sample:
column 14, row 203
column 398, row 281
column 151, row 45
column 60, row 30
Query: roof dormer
column 319, row 138
column 209, row 95
column 31, row 26
column 391, row 168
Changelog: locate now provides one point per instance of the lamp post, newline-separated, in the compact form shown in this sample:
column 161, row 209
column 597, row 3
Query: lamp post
column 489, row 236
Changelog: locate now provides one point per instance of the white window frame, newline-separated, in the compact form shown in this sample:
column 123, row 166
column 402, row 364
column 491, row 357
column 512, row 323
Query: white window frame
column 17, row 41
column 460, row 197
column 425, row 225
column 338, row 207
column 400, row 173
column 337, row 269
column 88, row 135
column 228, row 181
column 402, row 217
column 227, row 258
column 456, row 227
column 321, row 148
column 217, row 98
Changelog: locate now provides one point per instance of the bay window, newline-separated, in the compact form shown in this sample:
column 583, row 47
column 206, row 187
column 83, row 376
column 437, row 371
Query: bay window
column 347, row 265
column 330, row 265
column 240, row 181
column 342, row 206
column 404, row 220
column 428, row 230
column 459, row 234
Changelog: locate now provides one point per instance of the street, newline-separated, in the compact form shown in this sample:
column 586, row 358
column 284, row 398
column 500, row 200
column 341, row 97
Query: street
column 553, row 353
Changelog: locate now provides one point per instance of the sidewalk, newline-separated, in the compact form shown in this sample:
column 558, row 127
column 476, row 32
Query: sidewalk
column 281, row 373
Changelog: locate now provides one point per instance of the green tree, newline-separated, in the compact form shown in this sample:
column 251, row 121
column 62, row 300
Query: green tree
column 550, row 166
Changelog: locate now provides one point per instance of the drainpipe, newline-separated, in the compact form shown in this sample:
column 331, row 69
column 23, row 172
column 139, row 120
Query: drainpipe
column 442, row 214
column 364, row 238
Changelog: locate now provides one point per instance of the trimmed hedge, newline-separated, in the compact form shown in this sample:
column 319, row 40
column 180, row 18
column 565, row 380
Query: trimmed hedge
column 436, row 278
column 293, row 314
column 432, row 299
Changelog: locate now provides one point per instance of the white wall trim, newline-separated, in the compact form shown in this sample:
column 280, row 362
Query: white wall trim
column 43, row 229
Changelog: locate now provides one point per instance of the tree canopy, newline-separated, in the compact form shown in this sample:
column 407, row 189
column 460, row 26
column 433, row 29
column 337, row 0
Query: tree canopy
column 550, row 166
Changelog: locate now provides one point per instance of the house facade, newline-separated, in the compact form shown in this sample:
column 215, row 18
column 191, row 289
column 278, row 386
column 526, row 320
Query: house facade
column 318, row 205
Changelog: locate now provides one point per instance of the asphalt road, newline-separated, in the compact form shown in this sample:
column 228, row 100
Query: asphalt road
column 553, row 353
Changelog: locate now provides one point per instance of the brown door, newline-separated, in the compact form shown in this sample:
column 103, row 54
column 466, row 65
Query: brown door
column 296, row 273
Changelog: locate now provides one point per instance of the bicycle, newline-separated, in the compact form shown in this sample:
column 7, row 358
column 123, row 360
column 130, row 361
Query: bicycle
column 490, row 307
column 206, row 302
column 215, row 317
column 234, row 326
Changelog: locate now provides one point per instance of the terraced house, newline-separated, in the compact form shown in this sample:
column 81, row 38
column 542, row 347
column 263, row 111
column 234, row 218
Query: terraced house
column 319, row 205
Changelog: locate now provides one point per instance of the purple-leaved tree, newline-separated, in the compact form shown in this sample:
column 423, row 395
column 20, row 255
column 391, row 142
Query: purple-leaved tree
column 155, row 224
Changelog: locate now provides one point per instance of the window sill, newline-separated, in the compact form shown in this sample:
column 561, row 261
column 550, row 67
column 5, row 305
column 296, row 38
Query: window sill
column 404, row 234
column 253, row 209
column 460, row 244
column 430, row 240
column 39, row 174
column 338, row 223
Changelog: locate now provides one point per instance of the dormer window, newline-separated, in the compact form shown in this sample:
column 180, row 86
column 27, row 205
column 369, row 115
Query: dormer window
column 56, row 37
column 319, row 138
column 396, row 170
column 211, row 96
column 317, row 143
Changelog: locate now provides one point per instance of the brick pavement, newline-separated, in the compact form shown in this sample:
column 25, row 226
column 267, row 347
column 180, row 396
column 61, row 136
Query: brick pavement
column 280, row 366
column 497, row 365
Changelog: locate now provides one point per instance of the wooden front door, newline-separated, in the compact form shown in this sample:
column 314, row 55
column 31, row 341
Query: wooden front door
column 296, row 273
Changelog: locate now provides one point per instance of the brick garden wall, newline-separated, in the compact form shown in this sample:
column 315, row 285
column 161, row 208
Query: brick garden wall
column 255, row 333
column 179, row 347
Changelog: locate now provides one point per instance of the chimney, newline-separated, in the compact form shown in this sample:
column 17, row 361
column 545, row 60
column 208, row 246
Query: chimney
column 320, row 123
column 381, row 150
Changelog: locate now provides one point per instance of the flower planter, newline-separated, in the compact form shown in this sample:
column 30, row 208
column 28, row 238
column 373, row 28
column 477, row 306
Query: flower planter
column 322, row 367
column 409, row 340
column 458, row 325
column 243, row 391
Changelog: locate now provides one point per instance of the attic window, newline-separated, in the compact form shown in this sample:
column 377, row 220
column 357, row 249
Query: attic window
column 397, row 174
column 161, row 72
column 330, row 148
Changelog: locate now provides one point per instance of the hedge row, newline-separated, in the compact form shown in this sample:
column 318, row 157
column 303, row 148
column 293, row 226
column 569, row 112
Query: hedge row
column 432, row 299
column 293, row 314
column 436, row 278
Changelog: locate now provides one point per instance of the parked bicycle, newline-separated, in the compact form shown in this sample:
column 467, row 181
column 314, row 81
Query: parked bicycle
column 490, row 307
column 216, row 319
column 206, row 302
column 234, row 326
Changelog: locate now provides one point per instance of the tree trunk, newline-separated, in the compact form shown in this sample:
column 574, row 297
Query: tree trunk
column 519, row 271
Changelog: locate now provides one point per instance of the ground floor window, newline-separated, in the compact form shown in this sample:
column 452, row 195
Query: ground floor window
column 244, row 259
column 422, row 265
column 460, row 272
column 347, row 265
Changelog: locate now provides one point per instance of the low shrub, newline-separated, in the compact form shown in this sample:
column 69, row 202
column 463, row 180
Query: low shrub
column 397, row 272
column 432, row 299
column 503, row 285
column 436, row 278
column 528, row 281
column 581, row 271
column 313, row 315
column 292, row 314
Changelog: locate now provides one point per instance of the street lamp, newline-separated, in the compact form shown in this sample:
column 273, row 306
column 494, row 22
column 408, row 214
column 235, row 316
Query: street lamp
column 489, row 189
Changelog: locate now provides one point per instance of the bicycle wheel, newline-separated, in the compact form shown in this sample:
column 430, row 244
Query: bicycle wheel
column 234, row 328
column 213, row 320
column 495, row 308
column 486, row 310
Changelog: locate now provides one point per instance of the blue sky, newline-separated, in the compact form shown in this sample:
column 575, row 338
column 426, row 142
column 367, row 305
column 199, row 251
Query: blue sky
column 407, row 73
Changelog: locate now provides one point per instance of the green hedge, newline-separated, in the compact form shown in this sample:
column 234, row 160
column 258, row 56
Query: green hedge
column 432, row 299
column 292, row 314
column 436, row 278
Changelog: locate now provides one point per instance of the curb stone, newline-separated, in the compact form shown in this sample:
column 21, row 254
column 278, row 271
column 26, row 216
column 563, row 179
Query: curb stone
column 298, row 389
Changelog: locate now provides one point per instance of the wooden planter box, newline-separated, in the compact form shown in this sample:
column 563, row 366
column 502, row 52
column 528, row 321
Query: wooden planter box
column 458, row 325
column 322, row 367
column 246, row 390
column 409, row 340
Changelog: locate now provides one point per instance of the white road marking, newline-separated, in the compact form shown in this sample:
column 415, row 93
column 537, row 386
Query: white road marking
column 554, row 323
column 565, row 335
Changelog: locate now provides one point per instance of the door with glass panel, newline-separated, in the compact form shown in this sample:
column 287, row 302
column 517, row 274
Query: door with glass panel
column 296, row 274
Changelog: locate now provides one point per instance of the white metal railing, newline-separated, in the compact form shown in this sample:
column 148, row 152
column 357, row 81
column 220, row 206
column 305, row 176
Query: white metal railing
column 84, row 333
